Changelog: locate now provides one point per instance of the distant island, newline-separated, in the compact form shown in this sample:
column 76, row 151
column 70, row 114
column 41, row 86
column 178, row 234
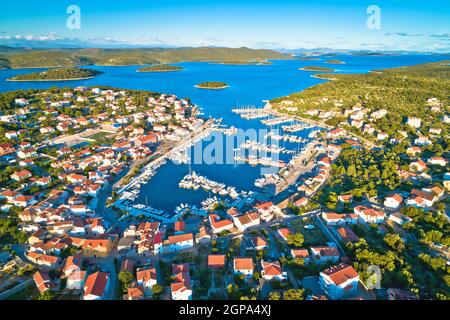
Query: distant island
column 160, row 68
column 317, row 68
column 335, row 61
column 58, row 74
column 251, row 63
column 34, row 58
column 215, row 85
column 309, row 59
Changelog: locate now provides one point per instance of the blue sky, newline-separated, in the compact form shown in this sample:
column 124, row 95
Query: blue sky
column 405, row 25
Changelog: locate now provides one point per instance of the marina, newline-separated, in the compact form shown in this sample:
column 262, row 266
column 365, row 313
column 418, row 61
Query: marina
column 255, row 146
column 296, row 127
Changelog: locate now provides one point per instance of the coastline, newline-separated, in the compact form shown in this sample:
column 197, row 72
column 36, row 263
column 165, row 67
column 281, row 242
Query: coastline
column 50, row 80
column 212, row 88
column 314, row 70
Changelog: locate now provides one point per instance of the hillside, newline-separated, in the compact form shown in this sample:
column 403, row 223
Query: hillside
column 116, row 57
column 403, row 92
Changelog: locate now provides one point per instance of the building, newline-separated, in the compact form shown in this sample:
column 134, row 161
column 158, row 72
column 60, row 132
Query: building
column 219, row 225
column 96, row 286
column 243, row 266
column 147, row 278
column 181, row 287
column 335, row 219
column 178, row 242
column 393, row 201
column 324, row 254
column 272, row 271
column 43, row 282
column 301, row 254
column 369, row 215
column 246, row 221
column 339, row 281
column 216, row 261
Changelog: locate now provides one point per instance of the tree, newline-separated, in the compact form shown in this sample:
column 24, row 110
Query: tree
column 274, row 295
column 47, row 295
column 125, row 278
column 394, row 241
column 157, row 289
column 295, row 239
column 294, row 294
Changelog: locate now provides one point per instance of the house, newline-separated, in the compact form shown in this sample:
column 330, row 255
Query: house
column 447, row 181
column 21, row 175
column 43, row 282
column 339, row 281
column 301, row 254
column 272, row 270
column 181, row 287
column 219, row 225
column 96, row 286
column 178, row 242
column 414, row 122
column 267, row 210
column 43, row 259
column 258, row 242
column 345, row 198
column 369, row 215
column 246, row 221
column 346, row 234
column 135, row 292
column 284, row 233
column 334, row 219
column 302, row 202
column 399, row 218
column 418, row 166
column 75, row 281
column 147, row 278
column 324, row 254
column 216, row 261
column 393, row 201
column 243, row 266
column 73, row 264
column 439, row 161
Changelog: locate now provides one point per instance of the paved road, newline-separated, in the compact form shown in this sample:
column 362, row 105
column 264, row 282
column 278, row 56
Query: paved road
column 6, row 294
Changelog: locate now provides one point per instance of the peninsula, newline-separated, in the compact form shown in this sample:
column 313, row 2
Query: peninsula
column 58, row 74
column 160, row 68
column 316, row 69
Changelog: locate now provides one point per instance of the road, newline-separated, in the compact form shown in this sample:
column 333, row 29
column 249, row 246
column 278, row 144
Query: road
column 6, row 294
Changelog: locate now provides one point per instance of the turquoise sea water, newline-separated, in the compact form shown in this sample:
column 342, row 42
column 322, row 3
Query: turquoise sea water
column 249, row 85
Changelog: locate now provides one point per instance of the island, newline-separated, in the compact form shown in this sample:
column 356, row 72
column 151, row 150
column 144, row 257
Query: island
column 212, row 85
column 160, row 68
column 58, row 74
column 245, row 63
column 335, row 61
column 316, row 69
column 309, row 59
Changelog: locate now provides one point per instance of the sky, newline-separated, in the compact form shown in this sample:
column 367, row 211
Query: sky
column 414, row 25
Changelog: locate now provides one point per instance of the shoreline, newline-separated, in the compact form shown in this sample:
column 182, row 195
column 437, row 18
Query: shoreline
column 159, row 71
column 211, row 88
column 316, row 70
column 50, row 80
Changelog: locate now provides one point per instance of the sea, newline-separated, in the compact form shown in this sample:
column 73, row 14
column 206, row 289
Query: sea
column 249, row 85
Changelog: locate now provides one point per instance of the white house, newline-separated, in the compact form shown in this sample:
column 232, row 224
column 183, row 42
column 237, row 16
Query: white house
column 246, row 221
column 146, row 277
column 325, row 254
column 178, row 242
column 414, row 122
column 369, row 215
column 335, row 219
column 272, row 270
column 393, row 201
column 339, row 281
column 243, row 266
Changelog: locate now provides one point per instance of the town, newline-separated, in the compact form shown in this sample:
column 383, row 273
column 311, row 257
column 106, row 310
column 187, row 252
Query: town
column 71, row 158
